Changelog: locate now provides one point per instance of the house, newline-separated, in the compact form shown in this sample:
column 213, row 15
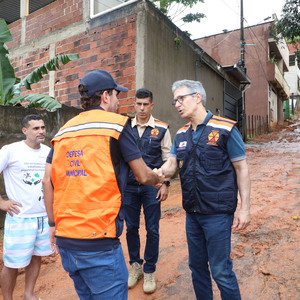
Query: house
column 266, row 61
column 293, row 79
column 133, row 40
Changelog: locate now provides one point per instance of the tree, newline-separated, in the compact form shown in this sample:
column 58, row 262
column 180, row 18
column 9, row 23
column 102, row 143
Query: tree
column 175, row 8
column 289, row 25
column 10, row 85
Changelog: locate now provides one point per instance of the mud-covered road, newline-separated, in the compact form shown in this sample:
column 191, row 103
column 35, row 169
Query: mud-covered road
column 266, row 255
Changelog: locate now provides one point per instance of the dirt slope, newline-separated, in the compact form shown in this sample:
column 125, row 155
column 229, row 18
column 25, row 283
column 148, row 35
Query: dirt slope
column 266, row 255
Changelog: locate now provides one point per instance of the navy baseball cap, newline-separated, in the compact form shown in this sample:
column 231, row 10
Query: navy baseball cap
column 100, row 80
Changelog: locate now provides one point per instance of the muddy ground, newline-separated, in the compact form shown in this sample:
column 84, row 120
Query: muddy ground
column 266, row 254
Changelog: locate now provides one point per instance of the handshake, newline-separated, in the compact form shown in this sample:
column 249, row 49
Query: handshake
column 161, row 177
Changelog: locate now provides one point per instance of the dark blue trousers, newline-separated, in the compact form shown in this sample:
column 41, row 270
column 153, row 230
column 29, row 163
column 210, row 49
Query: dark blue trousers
column 209, row 244
column 135, row 198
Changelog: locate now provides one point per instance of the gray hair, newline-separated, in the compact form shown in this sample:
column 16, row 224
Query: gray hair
column 192, row 86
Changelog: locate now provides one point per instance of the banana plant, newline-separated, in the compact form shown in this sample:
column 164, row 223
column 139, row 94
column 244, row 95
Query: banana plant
column 11, row 86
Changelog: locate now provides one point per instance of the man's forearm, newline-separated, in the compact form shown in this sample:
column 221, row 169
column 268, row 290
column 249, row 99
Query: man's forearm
column 243, row 181
column 48, row 192
column 144, row 174
column 48, row 198
column 244, row 190
column 169, row 167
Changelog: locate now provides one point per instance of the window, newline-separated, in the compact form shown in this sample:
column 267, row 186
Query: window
column 99, row 6
column 292, row 60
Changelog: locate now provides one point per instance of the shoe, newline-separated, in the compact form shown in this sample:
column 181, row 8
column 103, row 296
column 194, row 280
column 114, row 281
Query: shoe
column 149, row 283
column 135, row 274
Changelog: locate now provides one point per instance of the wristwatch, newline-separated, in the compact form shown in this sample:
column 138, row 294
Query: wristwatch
column 51, row 224
column 167, row 183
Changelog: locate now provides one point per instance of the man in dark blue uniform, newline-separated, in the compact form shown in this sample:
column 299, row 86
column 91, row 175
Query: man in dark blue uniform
column 154, row 140
column 211, row 158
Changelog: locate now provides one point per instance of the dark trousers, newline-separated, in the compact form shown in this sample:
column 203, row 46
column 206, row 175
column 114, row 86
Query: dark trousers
column 209, row 244
column 135, row 198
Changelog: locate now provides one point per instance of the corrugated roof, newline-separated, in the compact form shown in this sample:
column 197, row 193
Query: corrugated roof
column 10, row 9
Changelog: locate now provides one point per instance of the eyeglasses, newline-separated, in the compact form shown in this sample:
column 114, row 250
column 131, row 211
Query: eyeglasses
column 181, row 98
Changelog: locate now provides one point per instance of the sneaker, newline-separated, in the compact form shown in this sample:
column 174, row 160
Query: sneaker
column 135, row 273
column 149, row 283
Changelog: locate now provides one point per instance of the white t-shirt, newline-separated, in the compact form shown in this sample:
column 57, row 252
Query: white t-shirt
column 23, row 170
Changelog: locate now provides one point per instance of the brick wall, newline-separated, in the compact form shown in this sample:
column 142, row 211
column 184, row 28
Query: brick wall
column 15, row 29
column 111, row 47
column 55, row 16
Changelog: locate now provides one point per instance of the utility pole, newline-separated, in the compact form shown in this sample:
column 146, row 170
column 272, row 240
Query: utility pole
column 241, row 62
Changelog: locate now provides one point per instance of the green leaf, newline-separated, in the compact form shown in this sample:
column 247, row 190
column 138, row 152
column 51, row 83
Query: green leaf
column 193, row 17
column 65, row 58
column 7, row 74
column 173, row 8
column 288, row 25
column 5, row 35
column 37, row 100
column 52, row 65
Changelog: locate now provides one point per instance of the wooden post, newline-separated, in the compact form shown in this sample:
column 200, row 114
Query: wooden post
column 259, row 124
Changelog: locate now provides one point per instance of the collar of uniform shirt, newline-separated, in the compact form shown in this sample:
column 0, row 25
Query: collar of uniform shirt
column 150, row 122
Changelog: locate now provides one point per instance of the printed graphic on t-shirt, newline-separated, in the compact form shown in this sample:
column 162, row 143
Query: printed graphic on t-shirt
column 30, row 179
column 31, row 175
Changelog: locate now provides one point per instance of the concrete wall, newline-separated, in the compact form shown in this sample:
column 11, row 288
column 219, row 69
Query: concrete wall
column 160, row 62
column 273, row 109
column 292, row 78
column 293, row 75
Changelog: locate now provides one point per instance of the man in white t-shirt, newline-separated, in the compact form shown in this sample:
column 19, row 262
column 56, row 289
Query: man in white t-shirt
column 26, row 229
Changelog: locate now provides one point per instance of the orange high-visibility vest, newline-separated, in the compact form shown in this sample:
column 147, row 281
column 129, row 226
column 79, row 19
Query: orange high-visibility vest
column 87, row 197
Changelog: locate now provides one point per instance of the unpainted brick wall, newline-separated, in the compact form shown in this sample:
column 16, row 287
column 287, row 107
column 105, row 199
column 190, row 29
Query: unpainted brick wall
column 111, row 47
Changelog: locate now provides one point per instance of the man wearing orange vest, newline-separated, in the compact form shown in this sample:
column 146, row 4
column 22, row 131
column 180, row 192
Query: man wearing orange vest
column 85, row 177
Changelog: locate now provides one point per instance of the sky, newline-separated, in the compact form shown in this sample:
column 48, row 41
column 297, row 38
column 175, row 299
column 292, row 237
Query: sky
column 225, row 14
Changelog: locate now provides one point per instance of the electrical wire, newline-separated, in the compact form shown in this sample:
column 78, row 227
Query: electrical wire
column 260, row 63
column 219, row 43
